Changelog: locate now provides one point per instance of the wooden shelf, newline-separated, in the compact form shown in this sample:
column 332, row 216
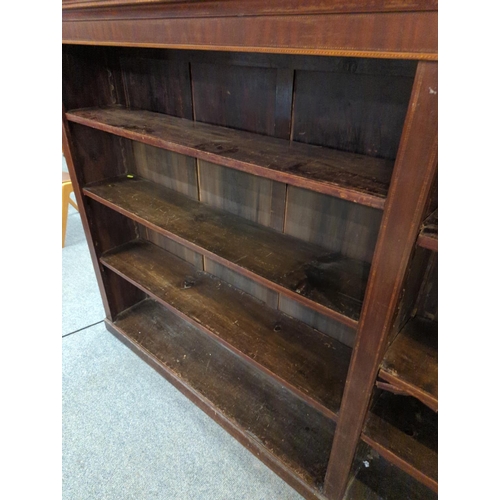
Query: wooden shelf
column 428, row 237
column 311, row 364
column 283, row 431
column 405, row 432
column 326, row 282
column 374, row 478
column 357, row 178
column 411, row 362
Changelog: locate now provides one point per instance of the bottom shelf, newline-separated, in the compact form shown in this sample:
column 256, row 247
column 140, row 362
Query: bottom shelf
column 284, row 432
column 374, row 478
column 405, row 432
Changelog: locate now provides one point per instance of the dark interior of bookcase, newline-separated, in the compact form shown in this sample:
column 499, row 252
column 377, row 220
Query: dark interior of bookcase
column 209, row 246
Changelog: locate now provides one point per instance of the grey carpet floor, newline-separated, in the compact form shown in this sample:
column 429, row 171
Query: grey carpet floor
column 127, row 433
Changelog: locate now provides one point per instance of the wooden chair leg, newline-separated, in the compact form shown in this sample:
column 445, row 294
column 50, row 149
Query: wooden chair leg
column 72, row 203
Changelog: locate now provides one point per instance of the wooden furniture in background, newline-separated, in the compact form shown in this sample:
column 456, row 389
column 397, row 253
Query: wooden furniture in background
column 67, row 189
column 259, row 192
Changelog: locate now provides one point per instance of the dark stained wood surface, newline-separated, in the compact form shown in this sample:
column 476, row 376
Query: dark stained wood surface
column 311, row 364
column 325, row 281
column 428, row 237
column 168, row 92
column 411, row 362
column 414, row 172
column 240, row 97
column 374, row 478
column 403, row 35
column 405, row 432
column 120, row 9
column 350, row 176
column 268, row 419
column 351, row 112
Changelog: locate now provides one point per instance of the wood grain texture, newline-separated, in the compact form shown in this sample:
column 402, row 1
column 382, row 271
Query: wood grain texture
column 340, row 226
column 247, row 285
column 411, row 362
column 428, row 237
column 405, row 432
column 122, row 9
column 351, row 112
column 414, row 173
column 318, row 321
column 184, row 253
column 402, row 35
column 374, row 478
column 154, row 82
column 358, row 178
column 100, row 156
column 269, row 420
column 172, row 170
column 310, row 364
column 325, row 281
column 239, row 97
column 248, row 196
column 427, row 303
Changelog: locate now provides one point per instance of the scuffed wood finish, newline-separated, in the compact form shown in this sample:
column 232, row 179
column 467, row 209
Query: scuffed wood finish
column 248, row 196
column 403, row 35
column 340, row 226
column 354, row 177
column 313, row 275
column 357, row 113
column 288, row 435
column 414, row 173
column 411, row 362
column 428, row 237
column 240, row 97
column 172, row 170
column 405, row 432
column 264, row 294
column 374, row 478
column 311, row 364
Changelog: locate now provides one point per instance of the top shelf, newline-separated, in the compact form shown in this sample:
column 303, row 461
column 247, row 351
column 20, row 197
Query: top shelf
column 428, row 237
column 353, row 177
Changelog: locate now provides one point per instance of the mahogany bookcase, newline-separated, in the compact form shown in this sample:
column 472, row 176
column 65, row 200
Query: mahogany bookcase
column 258, row 188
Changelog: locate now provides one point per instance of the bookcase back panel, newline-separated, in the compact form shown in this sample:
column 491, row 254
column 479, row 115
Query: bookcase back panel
column 352, row 112
column 240, row 97
column 172, row 170
column 171, row 246
column 316, row 320
column 154, row 81
column 254, row 198
column 341, row 226
column 269, row 297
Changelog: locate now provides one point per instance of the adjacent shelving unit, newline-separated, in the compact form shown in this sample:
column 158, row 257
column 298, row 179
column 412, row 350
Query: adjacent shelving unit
column 257, row 185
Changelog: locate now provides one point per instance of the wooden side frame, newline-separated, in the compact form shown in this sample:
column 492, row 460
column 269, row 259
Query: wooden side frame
column 414, row 172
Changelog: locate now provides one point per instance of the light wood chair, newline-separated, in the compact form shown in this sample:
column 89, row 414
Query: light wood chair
column 67, row 189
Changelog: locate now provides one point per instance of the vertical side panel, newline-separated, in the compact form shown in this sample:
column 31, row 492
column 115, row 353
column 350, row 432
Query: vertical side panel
column 98, row 155
column 407, row 200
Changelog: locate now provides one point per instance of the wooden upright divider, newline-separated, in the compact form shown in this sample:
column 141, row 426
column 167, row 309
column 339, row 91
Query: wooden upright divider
column 258, row 189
